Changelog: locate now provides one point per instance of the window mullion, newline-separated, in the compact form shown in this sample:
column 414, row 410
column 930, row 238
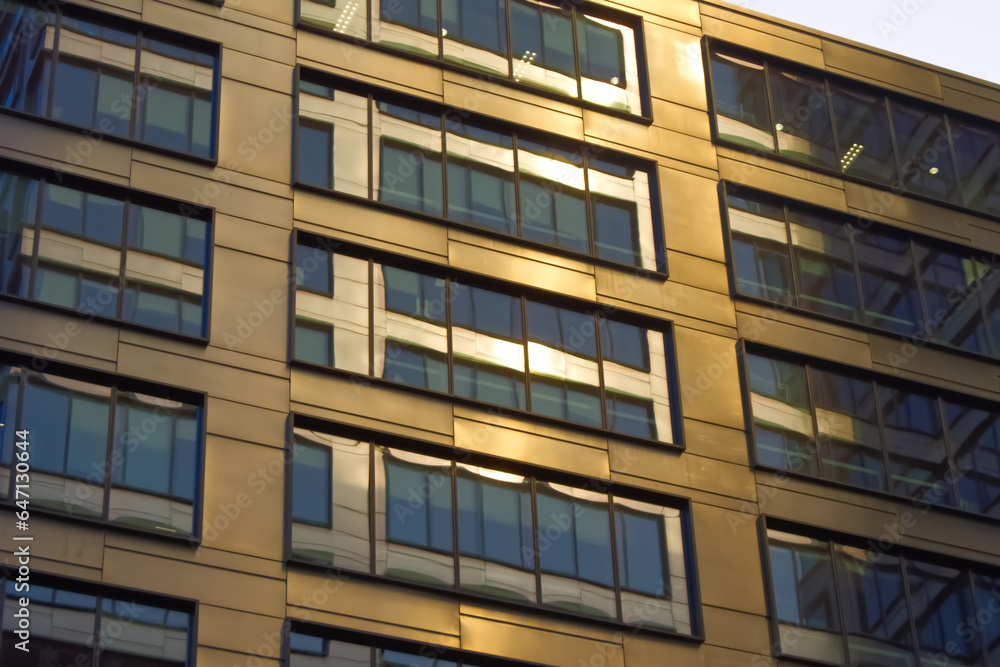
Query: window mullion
column 54, row 64
column 98, row 610
column 450, row 353
column 814, row 417
column 605, row 417
column 445, row 212
column 910, row 608
column 37, row 241
column 524, row 342
column 122, row 260
column 618, row 584
column 517, row 184
column 880, row 420
column 456, row 552
column 793, row 257
column 137, row 83
column 372, row 509
column 838, row 581
column 371, row 317
column 112, row 413
column 535, row 524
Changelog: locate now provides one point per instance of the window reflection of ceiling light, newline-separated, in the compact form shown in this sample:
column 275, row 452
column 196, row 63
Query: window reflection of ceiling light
column 932, row 171
column 444, row 32
column 614, row 80
column 524, row 63
column 345, row 17
column 852, row 153
column 779, row 127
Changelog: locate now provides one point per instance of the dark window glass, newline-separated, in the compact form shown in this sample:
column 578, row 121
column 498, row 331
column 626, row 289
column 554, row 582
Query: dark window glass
column 952, row 283
column 863, row 134
column 315, row 153
column 888, row 282
column 417, row 14
column 411, row 177
column 24, row 81
column 562, row 329
column 313, row 269
column 783, row 422
column 977, row 151
column 487, row 312
column 427, row 525
column 481, row 177
column 616, row 231
column 494, row 521
column 802, row 118
column 630, row 415
column 824, row 263
column 415, row 366
column 975, row 442
column 18, row 203
column 541, row 38
column 313, row 342
column 602, row 51
column 489, row 383
column 414, row 294
column 641, row 552
column 575, row 402
column 553, row 216
column 988, row 598
column 942, row 600
column 924, row 152
column 873, row 602
column 918, row 458
column 480, row 23
column 625, row 344
column 761, row 258
column 742, row 112
column 75, row 92
column 850, row 441
column 581, row 548
column 311, row 475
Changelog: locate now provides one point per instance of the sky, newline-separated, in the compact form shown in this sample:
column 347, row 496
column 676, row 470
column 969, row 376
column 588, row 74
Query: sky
column 960, row 35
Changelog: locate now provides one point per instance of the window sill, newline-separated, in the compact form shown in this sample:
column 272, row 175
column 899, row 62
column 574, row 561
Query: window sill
column 100, row 524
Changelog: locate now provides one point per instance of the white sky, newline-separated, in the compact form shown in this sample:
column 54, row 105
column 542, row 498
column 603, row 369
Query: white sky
column 961, row 35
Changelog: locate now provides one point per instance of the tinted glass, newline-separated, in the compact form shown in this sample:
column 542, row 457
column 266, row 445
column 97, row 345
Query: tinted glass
column 974, row 436
column 552, row 196
column 742, row 112
column 315, row 154
column 802, row 118
column 761, row 259
column 542, row 44
column 475, row 34
column 918, row 458
column 888, row 282
column 622, row 210
column 824, row 263
column 481, row 178
column 783, row 421
column 18, row 204
column 347, row 19
column 942, row 600
column 863, row 134
column 414, row 294
column 428, row 524
column 641, row 547
column 977, row 151
column 310, row 484
column 952, row 284
column 924, row 152
column 408, row 147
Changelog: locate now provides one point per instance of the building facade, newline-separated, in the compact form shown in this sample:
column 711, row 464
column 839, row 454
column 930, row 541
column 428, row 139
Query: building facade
column 492, row 332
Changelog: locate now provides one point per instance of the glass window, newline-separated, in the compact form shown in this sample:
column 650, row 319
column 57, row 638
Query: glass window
column 117, row 82
column 761, row 259
column 315, row 165
column 542, row 45
column 427, row 522
column 974, row 435
column 782, row 415
column 481, row 178
column 924, row 152
column 952, row 283
column 742, row 112
column 553, row 209
column 475, row 34
column 824, row 263
column 408, row 149
column 310, row 485
column 641, row 544
column 918, row 456
column 621, row 207
column 347, row 18
column 977, row 151
column 942, row 600
column 802, row 118
column 863, row 133
column 888, row 282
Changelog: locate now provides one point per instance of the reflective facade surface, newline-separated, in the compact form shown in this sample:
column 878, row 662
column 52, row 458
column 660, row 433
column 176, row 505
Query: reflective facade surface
column 500, row 333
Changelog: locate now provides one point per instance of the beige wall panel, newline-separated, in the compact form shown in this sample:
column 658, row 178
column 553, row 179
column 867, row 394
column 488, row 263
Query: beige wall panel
column 970, row 85
column 685, row 11
column 252, row 237
column 650, row 292
column 647, row 650
column 684, row 470
column 687, row 168
column 244, row 422
column 251, row 304
column 495, row 415
column 247, row 68
column 716, row 656
column 781, row 179
column 691, row 214
column 56, row 336
column 729, row 569
column 65, row 541
column 736, row 630
column 34, row 351
column 205, row 193
column 258, row 131
column 798, row 319
column 358, row 396
column 536, row 645
column 249, row 35
column 717, row 442
column 963, row 101
column 620, row 134
column 698, row 272
column 761, row 22
column 820, row 511
column 515, row 247
column 920, row 521
column 230, row 383
column 701, row 356
column 212, row 657
column 210, row 354
column 450, row 639
column 210, row 585
column 907, row 213
column 770, row 483
column 190, row 552
column 41, row 161
column 58, row 568
column 501, row 265
column 811, row 341
column 984, row 238
column 276, row 11
column 706, row 498
column 129, row 8
column 684, row 147
column 853, row 59
column 358, row 61
column 67, row 151
column 676, row 68
column 516, row 445
column 351, row 419
column 385, row 603
column 700, row 304
column 221, row 191
column 541, row 618
column 407, row 236
column 510, row 104
column 239, row 631
column 762, row 41
column 244, row 498
column 904, row 357
column 681, row 119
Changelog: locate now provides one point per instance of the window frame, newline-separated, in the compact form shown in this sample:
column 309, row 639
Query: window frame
column 901, row 185
column 74, row 584
column 968, row 568
column 117, row 383
column 913, row 239
column 518, row 292
column 591, row 155
column 128, row 197
column 574, row 9
column 535, row 477
column 880, row 381
column 138, row 29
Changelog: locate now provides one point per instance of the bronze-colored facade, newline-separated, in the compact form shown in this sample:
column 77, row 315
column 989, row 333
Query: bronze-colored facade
column 604, row 333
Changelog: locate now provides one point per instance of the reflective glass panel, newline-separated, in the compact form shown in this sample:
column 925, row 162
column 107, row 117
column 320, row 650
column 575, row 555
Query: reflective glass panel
column 942, row 600
column 987, row 591
column 824, row 263
column 633, row 365
column 622, row 210
column 342, row 317
column 802, row 118
column 542, row 47
column 481, row 177
column 924, row 152
column 553, row 209
column 475, row 34
column 782, row 416
column 977, row 151
column 761, row 259
column 488, row 346
column 407, row 145
column 18, row 210
column 332, row 139
column 9, row 396
column 62, row 627
column 918, row 458
column 346, row 18
column 974, row 436
column 26, row 38
column 133, row 635
column 609, row 71
column 408, row 25
column 742, row 111
column 952, row 285
column 863, row 134
column 888, row 282
column 310, row 484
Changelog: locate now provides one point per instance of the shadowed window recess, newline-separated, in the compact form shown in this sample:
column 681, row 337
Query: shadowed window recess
column 107, row 255
column 868, row 274
column 845, row 604
column 85, row 624
column 104, row 451
column 112, row 76
column 431, row 331
column 850, row 128
column 516, row 535
column 590, row 54
column 875, row 434
column 408, row 154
